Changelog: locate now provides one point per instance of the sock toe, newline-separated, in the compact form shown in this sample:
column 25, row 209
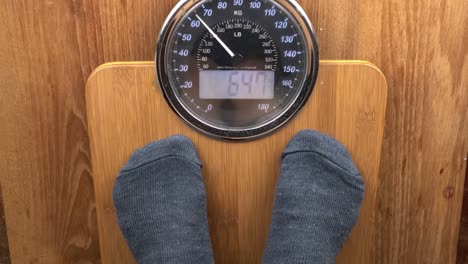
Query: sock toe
column 175, row 146
column 321, row 144
column 317, row 202
column 160, row 203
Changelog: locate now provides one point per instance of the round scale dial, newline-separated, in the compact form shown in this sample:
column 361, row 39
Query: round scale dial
column 237, row 69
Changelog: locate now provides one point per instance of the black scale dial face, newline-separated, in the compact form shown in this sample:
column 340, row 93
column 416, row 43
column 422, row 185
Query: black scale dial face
column 237, row 69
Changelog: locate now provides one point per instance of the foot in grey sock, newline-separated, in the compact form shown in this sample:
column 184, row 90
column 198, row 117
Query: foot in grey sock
column 161, row 204
column 317, row 202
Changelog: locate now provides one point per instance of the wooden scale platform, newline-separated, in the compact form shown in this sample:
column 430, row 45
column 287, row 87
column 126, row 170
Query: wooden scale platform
column 126, row 111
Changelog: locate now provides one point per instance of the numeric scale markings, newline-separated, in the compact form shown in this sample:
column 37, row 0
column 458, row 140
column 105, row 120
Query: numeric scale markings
column 282, row 25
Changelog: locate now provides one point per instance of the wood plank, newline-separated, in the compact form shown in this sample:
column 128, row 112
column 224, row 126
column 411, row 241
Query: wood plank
column 462, row 251
column 4, row 251
column 126, row 112
column 49, row 48
column 46, row 174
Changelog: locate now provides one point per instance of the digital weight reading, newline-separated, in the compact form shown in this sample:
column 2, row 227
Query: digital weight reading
column 231, row 84
column 237, row 69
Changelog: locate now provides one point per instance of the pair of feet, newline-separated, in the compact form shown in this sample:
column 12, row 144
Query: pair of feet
column 161, row 203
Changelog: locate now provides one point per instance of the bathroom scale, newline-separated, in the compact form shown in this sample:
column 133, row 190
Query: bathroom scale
column 239, row 78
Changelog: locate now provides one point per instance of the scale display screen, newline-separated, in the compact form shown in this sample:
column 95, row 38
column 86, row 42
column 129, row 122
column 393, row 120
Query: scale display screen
column 237, row 85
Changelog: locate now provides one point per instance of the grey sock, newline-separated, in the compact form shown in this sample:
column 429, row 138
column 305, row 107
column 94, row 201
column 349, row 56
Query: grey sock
column 317, row 202
column 161, row 204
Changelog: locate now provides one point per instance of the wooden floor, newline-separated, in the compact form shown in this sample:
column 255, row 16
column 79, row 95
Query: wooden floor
column 49, row 48
column 4, row 252
column 462, row 256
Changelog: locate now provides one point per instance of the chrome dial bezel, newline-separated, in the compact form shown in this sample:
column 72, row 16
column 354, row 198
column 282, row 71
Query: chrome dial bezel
column 235, row 134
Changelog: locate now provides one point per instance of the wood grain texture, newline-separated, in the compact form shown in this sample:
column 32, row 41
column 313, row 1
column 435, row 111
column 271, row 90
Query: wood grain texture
column 126, row 112
column 49, row 48
column 4, row 251
column 462, row 252
column 46, row 174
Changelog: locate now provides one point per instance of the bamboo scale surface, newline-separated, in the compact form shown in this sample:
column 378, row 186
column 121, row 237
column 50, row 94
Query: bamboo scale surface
column 126, row 112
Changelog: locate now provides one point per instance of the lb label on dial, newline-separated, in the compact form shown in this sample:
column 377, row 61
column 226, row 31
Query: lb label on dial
column 237, row 69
